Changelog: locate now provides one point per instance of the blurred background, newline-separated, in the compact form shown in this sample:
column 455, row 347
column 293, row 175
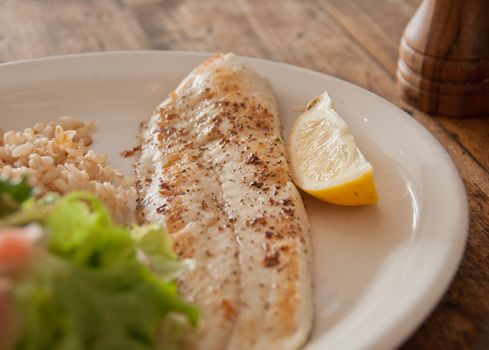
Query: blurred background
column 354, row 40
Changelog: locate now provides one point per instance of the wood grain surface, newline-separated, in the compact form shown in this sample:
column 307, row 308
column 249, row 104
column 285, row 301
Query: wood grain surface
column 355, row 40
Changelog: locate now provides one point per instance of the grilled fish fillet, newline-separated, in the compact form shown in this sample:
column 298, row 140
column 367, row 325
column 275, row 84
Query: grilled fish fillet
column 212, row 168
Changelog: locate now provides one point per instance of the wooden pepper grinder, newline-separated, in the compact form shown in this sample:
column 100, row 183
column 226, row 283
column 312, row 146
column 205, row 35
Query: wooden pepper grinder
column 443, row 63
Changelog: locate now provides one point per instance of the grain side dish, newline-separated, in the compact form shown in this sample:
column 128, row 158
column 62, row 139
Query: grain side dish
column 56, row 157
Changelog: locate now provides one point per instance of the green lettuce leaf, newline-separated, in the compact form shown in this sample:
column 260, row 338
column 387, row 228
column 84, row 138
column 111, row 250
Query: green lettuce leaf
column 12, row 195
column 100, row 286
column 31, row 210
column 155, row 247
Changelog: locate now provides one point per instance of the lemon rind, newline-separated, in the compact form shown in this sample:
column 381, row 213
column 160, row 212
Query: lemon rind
column 358, row 191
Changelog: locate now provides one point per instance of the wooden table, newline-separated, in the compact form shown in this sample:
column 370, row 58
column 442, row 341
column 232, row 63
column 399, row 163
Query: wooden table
column 355, row 40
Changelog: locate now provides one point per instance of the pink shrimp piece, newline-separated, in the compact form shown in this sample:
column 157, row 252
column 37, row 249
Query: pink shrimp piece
column 15, row 250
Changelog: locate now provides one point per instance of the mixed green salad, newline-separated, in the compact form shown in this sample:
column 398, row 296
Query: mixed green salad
column 84, row 281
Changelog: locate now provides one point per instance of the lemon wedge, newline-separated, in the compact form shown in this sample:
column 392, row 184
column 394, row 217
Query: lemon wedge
column 325, row 160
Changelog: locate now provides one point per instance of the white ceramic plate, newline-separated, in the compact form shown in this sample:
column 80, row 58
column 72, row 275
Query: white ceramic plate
column 379, row 270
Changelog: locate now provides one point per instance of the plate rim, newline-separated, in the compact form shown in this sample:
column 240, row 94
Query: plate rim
column 407, row 322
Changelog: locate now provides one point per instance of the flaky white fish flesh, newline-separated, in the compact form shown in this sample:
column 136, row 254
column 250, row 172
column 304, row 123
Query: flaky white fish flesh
column 212, row 168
